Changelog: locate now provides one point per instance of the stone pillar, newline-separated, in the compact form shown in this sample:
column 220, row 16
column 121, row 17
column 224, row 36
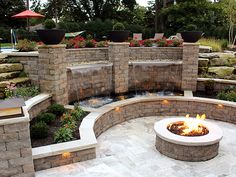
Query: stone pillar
column 190, row 66
column 119, row 56
column 52, row 72
column 15, row 148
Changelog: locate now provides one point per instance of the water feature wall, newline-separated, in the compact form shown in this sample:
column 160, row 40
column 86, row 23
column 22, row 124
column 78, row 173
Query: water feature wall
column 89, row 80
column 154, row 76
column 127, row 68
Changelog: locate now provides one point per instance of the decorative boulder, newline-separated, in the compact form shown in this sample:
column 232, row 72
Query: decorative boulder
column 232, row 61
column 222, row 71
column 208, row 55
column 219, row 62
column 205, row 49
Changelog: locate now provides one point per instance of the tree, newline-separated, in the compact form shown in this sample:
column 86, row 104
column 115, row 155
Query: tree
column 85, row 10
column 9, row 8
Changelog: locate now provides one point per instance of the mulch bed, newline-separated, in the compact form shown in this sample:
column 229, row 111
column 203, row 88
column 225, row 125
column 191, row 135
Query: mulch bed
column 53, row 127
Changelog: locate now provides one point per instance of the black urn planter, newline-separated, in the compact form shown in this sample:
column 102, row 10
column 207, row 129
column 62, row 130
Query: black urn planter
column 191, row 36
column 119, row 36
column 51, row 36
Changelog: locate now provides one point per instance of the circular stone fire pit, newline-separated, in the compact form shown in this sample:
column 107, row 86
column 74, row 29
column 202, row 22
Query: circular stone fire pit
column 187, row 148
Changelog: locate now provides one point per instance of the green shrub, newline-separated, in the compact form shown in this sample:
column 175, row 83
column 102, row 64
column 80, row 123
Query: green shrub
column 63, row 135
column 209, row 86
column 39, row 130
column 147, row 43
column 56, row 109
column 119, row 27
column 25, row 92
column 26, row 45
column 90, row 43
column 228, row 96
column 49, row 24
column 78, row 113
column 47, row 117
column 66, row 118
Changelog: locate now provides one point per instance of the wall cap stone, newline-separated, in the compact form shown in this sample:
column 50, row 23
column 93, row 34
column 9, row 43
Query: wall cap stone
column 23, row 54
column 158, row 63
column 87, row 66
column 52, row 46
column 36, row 100
column 190, row 44
column 118, row 43
column 224, row 81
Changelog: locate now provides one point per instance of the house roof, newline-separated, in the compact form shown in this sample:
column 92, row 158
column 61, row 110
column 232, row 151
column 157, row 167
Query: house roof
column 12, row 103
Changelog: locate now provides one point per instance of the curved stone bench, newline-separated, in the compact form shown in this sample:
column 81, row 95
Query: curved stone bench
column 107, row 116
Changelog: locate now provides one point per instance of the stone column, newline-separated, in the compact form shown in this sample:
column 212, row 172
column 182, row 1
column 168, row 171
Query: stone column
column 119, row 56
column 52, row 72
column 190, row 66
column 15, row 148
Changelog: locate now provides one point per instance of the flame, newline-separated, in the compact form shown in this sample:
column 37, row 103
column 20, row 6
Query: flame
column 193, row 125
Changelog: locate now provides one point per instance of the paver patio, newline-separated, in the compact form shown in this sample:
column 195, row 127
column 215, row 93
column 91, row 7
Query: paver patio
column 127, row 150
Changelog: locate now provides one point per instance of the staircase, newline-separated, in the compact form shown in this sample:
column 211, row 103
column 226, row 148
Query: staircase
column 11, row 71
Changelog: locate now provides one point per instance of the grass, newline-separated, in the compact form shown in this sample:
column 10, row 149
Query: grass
column 5, row 44
column 216, row 44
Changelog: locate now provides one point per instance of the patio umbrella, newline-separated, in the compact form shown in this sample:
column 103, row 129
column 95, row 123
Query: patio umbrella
column 28, row 14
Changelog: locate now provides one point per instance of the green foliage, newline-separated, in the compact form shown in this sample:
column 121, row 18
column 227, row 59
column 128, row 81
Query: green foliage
column 12, row 60
column 78, row 113
column 209, row 86
column 90, row 43
column 23, row 74
column 190, row 27
column 57, row 109
column 228, row 96
column 63, row 135
column 49, row 24
column 216, row 44
column 39, row 130
column 119, row 27
column 13, row 92
column 46, row 117
column 66, row 118
column 70, row 26
column 26, row 45
column 147, row 43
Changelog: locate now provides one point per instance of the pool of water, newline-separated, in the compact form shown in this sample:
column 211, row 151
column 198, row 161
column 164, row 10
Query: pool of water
column 7, row 50
column 96, row 102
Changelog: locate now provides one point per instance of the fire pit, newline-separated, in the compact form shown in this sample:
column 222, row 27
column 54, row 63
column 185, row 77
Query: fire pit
column 188, row 139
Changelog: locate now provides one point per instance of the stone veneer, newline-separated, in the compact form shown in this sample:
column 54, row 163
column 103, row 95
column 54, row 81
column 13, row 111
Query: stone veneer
column 52, row 76
column 119, row 56
column 186, row 153
column 190, row 66
column 153, row 53
column 219, row 84
column 15, row 147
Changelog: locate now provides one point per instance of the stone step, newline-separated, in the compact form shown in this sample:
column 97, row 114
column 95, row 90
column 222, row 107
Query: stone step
column 10, row 75
column 10, row 67
column 2, row 56
column 18, row 80
column 205, row 49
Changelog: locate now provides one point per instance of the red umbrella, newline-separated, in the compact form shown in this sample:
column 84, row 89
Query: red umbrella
column 28, row 14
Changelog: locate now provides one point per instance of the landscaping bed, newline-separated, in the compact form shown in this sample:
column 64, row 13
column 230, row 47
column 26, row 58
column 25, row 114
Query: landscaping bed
column 57, row 125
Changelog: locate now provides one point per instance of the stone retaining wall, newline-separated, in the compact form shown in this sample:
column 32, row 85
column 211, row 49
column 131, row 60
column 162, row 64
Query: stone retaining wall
column 77, row 56
column 15, row 147
column 156, row 53
column 219, row 84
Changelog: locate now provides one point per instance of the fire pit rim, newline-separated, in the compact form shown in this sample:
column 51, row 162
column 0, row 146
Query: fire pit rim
column 214, row 136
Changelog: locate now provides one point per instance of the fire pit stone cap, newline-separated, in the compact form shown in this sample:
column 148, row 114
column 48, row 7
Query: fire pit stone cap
column 214, row 136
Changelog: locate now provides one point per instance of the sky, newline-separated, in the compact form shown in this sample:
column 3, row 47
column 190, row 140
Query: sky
column 140, row 2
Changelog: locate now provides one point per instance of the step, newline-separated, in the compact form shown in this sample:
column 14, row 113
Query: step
column 10, row 67
column 10, row 75
column 18, row 80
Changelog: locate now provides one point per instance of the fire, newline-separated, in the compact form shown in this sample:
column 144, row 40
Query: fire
column 192, row 125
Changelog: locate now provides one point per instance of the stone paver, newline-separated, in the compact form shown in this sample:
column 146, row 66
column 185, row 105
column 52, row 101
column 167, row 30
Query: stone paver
column 128, row 150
